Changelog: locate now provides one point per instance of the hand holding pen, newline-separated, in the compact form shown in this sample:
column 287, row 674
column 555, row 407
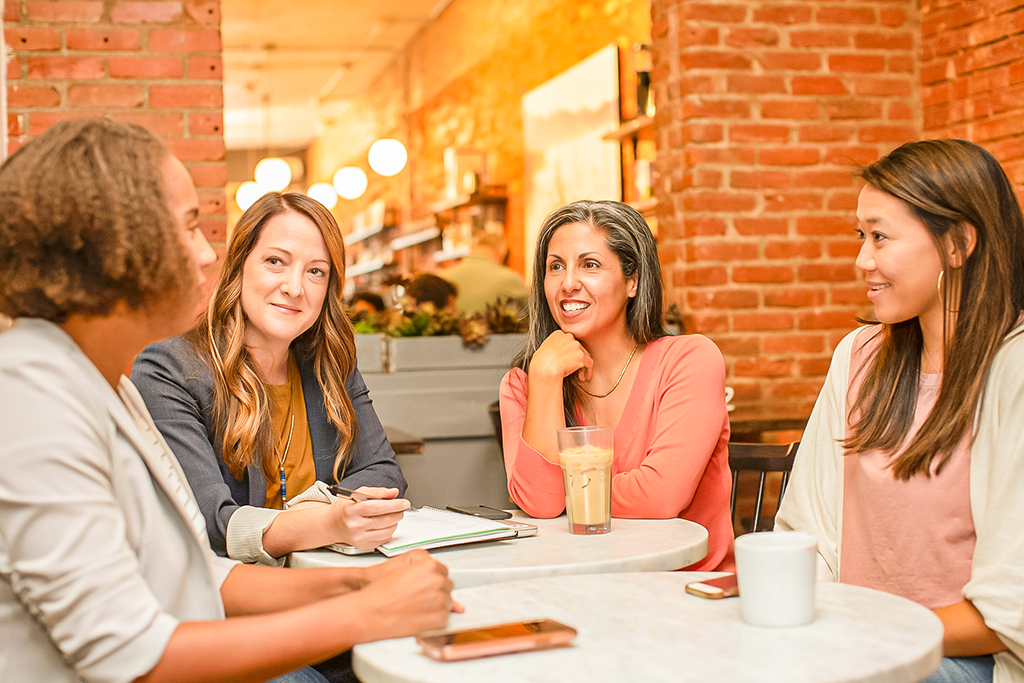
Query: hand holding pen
column 369, row 515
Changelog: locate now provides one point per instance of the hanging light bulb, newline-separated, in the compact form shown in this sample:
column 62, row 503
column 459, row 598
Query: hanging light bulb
column 387, row 156
column 323, row 193
column 273, row 174
column 247, row 194
column 350, row 182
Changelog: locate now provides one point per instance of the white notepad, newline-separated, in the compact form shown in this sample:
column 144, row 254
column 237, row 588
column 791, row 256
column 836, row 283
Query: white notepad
column 430, row 527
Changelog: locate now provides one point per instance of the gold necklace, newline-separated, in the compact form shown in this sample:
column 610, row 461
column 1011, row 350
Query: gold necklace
column 621, row 375
column 931, row 360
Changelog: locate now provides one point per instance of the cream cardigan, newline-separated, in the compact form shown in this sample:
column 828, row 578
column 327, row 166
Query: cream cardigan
column 814, row 498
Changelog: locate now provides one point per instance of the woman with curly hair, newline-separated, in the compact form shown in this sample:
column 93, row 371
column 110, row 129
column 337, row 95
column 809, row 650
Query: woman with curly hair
column 108, row 575
column 262, row 402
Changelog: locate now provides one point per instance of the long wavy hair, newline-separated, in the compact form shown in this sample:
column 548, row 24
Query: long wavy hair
column 947, row 185
column 630, row 239
column 241, row 412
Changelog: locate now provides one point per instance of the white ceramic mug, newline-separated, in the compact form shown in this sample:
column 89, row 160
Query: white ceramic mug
column 775, row 570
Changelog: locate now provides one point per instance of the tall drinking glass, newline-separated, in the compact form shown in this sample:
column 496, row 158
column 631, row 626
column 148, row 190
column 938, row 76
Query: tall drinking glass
column 585, row 454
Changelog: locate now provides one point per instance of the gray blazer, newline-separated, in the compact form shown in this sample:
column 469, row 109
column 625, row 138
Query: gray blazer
column 177, row 386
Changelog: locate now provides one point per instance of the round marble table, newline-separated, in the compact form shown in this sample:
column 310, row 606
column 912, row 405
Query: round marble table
column 646, row 627
column 634, row 545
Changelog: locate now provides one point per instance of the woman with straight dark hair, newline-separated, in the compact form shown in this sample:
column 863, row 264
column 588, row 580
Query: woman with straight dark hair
column 107, row 572
column 262, row 402
column 909, row 470
column 597, row 353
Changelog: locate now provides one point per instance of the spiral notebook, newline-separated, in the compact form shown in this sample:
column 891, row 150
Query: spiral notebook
column 428, row 527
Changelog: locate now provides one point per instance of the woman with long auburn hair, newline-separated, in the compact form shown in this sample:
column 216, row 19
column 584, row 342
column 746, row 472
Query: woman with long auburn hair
column 262, row 402
column 597, row 353
column 909, row 469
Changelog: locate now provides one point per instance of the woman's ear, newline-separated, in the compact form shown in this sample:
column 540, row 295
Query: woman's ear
column 631, row 285
column 955, row 255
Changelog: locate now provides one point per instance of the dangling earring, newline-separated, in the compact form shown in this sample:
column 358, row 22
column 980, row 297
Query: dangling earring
column 938, row 288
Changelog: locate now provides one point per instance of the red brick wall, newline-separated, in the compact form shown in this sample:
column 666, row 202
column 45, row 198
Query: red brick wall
column 764, row 108
column 972, row 76
column 156, row 63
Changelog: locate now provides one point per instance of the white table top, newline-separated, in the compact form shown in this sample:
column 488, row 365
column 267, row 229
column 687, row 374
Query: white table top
column 633, row 545
column 646, row 627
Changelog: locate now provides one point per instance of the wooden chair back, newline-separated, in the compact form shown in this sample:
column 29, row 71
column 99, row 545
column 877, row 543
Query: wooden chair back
column 762, row 458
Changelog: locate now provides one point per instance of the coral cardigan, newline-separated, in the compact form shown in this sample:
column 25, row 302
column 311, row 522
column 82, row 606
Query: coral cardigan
column 671, row 446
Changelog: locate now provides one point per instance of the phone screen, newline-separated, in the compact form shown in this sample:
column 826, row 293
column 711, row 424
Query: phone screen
column 496, row 632
column 498, row 639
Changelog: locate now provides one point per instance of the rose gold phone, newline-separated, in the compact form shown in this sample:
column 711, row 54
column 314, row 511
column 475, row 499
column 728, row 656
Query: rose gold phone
column 722, row 587
column 495, row 640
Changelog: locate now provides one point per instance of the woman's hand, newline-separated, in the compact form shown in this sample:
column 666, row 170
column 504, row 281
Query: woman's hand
column 369, row 523
column 559, row 356
column 406, row 595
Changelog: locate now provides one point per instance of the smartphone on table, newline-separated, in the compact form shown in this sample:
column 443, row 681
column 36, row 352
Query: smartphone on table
column 519, row 636
column 721, row 587
column 481, row 511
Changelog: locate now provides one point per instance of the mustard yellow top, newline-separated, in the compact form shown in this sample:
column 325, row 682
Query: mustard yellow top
column 296, row 457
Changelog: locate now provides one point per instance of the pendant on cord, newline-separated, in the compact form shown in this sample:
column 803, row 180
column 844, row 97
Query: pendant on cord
column 284, row 488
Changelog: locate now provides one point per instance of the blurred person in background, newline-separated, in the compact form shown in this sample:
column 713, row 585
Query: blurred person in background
column 483, row 276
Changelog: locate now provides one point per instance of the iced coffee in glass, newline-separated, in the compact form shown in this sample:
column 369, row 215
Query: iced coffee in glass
column 585, row 454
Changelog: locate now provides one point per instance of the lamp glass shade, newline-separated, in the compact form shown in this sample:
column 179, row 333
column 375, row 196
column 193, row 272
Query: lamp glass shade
column 387, row 156
column 323, row 193
column 350, row 182
column 247, row 194
column 273, row 174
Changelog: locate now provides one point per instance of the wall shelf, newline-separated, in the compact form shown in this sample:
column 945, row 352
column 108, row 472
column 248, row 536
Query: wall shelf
column 414, row 238
column 628, row 128
column 442, row 256
column 357, row 269
column 645, row 206
column 359, row 236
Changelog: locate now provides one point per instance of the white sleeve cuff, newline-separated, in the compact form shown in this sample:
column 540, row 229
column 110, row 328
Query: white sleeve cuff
column 245, row 535
column 319, row 492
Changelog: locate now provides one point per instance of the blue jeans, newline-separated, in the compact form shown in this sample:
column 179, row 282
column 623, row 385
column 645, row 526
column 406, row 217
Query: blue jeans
column 306, row 675
column 963, row 670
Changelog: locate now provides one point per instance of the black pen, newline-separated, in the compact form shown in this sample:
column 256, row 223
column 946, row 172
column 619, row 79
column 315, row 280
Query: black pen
column 359, row 496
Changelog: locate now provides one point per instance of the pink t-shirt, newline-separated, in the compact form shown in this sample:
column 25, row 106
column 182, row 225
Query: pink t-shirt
column 910, row 538
column 671, row 446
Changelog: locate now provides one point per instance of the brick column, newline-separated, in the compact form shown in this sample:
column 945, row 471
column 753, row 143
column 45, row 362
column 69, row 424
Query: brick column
column 763, row 110
column 156, row 63
column 972, row 77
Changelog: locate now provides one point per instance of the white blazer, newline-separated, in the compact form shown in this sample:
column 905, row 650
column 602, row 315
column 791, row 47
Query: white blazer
column 102, row 547
column 814, row 497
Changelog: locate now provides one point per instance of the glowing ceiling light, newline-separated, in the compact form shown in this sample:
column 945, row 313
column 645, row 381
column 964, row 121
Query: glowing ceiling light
column 247, row 194
column 350, row 182
column 323, row 193
column 273, row 174
column 387, row 156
